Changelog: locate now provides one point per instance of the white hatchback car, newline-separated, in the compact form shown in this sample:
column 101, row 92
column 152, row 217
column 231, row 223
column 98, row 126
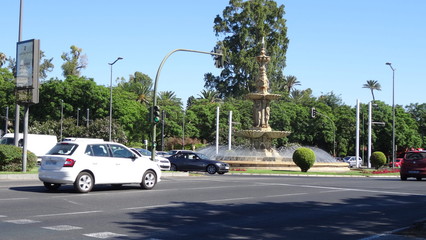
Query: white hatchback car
column 85, row 163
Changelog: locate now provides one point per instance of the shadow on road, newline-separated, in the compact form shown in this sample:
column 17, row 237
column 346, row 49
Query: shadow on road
column 353, row 219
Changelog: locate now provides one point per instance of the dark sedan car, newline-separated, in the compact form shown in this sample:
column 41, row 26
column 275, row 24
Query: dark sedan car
column 192, row 161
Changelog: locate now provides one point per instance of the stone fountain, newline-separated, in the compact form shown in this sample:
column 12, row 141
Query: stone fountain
column 261, row 154
column 261, row 134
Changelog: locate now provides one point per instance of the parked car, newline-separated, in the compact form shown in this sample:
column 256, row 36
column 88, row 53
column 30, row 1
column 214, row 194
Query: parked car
column 351, row 160
column 413, row 165
column 39, row 144
column 192, row 161
column 85, row 163
column 398, row 162
column 162, row 162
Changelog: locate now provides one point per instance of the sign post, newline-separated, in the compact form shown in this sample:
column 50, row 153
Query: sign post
column 27, row 86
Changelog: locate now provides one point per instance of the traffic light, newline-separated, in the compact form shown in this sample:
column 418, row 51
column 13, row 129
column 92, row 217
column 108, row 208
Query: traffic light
column 156, row 114
column 218, row 59
column 313, row 112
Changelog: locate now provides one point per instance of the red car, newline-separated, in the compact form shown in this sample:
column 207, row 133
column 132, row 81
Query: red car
column 414, row 165
column 398, row 162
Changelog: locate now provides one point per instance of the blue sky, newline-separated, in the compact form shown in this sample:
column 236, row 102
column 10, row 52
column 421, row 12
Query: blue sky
column 335, row 46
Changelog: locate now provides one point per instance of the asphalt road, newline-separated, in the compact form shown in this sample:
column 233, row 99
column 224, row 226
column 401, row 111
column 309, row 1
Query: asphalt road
column 214, row 207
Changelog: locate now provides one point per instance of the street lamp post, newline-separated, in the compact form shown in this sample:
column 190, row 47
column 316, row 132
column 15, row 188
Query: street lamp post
column 78, row 115
column 62, row 117
column 393, row 114
column 110, row 98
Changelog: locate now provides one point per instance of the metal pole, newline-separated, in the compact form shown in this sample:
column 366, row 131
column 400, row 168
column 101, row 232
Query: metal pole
column 6, row 120
column 78, row 115
column 217, row 130
column 110, row 98
column 230, row 131
column 24, row 150
column 357, row 130
column 87, row 118
column 183, row 130
column 393, row 114
column 157, row 77
column 17, row 110
column 369, row 133
column 163, row 117
column 62, row 117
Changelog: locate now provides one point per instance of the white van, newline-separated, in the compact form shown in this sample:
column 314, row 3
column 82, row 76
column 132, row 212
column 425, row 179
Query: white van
column 39, row 144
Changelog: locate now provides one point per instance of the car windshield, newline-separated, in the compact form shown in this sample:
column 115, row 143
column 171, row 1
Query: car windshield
column 415, row 155
column 8, row 141
column 63, row 149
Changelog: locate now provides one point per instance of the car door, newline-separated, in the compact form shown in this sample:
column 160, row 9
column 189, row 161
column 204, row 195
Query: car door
column 127, row 165
column 102, row 164
column 194, row 163
column 181, row 161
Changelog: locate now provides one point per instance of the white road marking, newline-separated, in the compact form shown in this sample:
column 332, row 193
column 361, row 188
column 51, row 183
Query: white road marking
column 12, row 199
column 104, row 235
column 62, row 214
column 22, row 221
column 62, row 228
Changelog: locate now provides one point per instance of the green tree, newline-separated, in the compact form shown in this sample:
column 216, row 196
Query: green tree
column 7, row 88
column 418, row 113
column 3, row 59
column 46, row 65
column 141, row 84
column 243, row 24
column 372, row 85
column 74, row 62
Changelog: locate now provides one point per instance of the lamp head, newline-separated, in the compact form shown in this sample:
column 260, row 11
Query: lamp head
column 388, row 63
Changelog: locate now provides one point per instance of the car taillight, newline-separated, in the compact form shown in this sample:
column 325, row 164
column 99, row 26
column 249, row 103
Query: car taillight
column 69, row 162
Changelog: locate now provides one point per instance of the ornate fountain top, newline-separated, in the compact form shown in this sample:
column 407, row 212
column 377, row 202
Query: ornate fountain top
column 262, row 82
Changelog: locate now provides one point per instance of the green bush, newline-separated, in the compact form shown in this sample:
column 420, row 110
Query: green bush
column 304, row 158
column 11, row 158
column 378, row 159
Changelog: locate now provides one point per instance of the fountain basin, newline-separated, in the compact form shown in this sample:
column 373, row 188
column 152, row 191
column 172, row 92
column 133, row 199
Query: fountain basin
column 252, row 133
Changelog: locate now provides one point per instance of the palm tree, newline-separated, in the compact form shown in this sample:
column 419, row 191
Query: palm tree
column 210, row 95
column 290, row 82
column 372, row 85
column 169, row 98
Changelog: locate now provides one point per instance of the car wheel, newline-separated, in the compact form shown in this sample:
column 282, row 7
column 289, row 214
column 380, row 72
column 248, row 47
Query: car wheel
column 173, row 167
column 403, row 178
column 211, row 169
column 51, row 186
column 149, row 180
column 84, row 182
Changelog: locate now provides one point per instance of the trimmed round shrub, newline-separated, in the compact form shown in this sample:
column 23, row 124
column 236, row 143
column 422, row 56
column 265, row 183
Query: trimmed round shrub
column 377, row 159
column 11, row 159
column 304, row 158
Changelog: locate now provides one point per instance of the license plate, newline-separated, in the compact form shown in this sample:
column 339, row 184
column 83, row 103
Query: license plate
column 226, row 167
column 50, row 162
column 413, row 171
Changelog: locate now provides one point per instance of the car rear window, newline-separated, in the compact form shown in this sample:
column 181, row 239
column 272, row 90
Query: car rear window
column 63, row 149
column 415, row 155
